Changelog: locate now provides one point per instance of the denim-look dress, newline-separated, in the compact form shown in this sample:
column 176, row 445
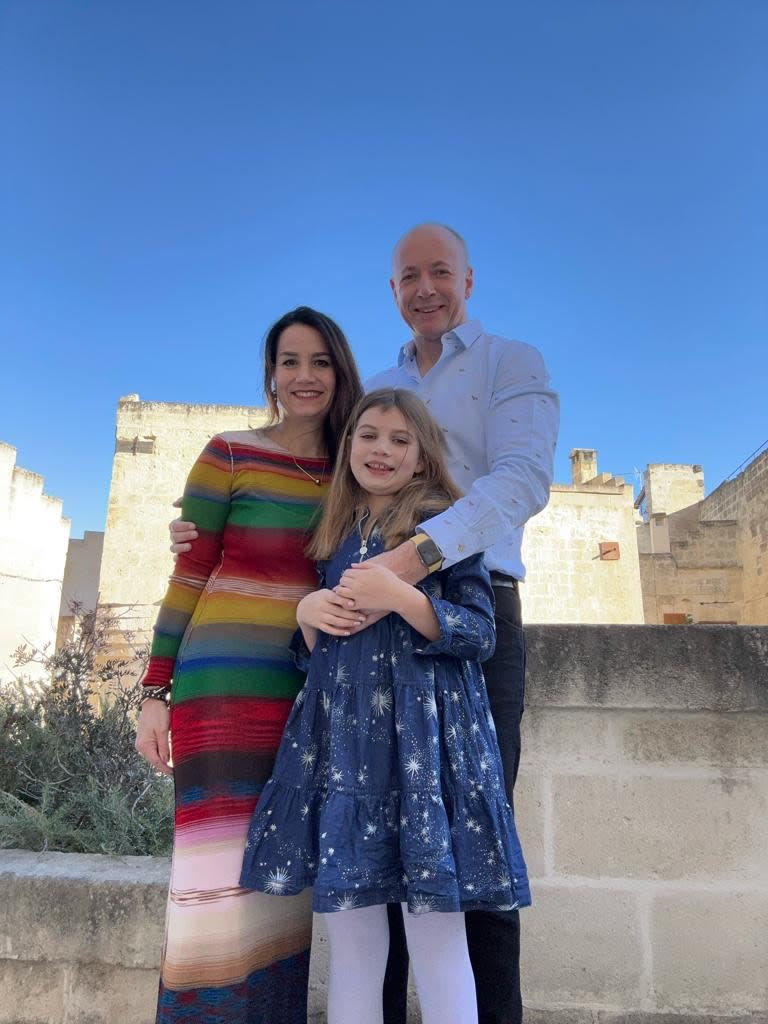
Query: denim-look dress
column 387, row 786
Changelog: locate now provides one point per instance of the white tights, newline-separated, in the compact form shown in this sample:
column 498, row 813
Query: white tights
column 437, row 943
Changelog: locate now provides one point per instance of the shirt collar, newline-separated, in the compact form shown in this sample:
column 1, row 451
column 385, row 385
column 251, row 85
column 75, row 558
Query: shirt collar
column 466, row 334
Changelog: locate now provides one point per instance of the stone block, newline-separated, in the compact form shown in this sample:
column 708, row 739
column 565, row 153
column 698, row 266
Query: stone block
column 688, row 668
column 529, row 819
column 99, row 992
column 31, row 993
column 572, row 1015
column 710, row 951
column 71, row 907
column 660, row 827
column 721, row 741
column 558, row 737
column 581, row 947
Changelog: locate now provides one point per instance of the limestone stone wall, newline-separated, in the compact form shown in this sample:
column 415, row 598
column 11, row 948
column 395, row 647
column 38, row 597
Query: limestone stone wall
column 745, row 498
column 670, row 487
column 709, row 561
column 567, row 580
column 642, row 804
column 33, row 549
column 700, row 575
column 156, row 445
column 81, row 578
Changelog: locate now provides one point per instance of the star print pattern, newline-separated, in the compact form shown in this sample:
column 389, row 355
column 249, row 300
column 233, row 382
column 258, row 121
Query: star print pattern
column 388, row 784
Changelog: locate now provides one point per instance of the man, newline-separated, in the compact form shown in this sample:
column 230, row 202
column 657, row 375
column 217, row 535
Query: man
column 500, row 419
column 491, row 396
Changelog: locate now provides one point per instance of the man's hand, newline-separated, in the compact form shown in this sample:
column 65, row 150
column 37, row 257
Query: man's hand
column 404, row 561
column 372, row 586
column 152, row 735
column 182, row 533
column 325, row 610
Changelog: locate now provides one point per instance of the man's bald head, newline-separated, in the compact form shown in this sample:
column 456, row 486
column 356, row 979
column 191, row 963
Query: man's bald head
column 436, row 226
column 431, row 279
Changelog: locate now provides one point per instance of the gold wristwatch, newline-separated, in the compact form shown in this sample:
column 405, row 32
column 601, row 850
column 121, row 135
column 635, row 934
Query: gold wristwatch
column 429, row 553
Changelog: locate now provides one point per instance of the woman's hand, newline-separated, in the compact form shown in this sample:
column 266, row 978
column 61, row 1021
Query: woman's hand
column 182, row 533
column 152, row 732
column 327, row 611
column 372, row 586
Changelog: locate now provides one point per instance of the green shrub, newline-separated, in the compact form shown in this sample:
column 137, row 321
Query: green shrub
column 70, row 778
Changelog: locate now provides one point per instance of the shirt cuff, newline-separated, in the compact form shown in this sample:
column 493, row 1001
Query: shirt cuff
column 450, row 536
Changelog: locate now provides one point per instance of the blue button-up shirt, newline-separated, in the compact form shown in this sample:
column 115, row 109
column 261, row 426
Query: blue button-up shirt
column 500, row 419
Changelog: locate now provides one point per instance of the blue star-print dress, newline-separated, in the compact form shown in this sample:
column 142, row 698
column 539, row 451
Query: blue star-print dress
column 387, row 786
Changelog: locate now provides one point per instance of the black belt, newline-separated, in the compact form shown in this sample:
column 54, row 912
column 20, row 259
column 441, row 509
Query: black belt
column 503, row 579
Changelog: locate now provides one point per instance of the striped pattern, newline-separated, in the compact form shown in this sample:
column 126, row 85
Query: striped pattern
column 232, row 956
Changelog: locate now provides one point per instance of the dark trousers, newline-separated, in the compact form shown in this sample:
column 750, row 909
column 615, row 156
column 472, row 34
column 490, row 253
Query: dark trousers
column 493, row 937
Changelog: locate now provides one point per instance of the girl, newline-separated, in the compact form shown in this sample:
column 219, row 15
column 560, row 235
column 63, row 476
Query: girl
column 387, row 785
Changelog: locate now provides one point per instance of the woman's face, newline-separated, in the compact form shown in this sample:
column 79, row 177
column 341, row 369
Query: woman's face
column 304, row 376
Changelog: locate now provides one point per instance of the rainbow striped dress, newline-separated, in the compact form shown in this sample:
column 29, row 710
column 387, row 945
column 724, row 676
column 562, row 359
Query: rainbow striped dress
column 233, row 956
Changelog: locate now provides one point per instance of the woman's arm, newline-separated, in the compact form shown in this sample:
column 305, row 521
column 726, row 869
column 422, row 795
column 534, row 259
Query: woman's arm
column 207, row 501
column 208, row 492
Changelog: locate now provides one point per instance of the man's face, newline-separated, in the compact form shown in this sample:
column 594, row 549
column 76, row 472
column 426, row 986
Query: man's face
column 431, row 281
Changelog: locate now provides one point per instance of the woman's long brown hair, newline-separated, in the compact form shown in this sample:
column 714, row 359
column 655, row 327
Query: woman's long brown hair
column 429, row 492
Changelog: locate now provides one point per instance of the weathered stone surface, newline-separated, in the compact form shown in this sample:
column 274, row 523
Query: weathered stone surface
column 660, row 827
column 703, row 668
column 711, row 951
column 578, row 1015
column 605, row 1017
column 529, row 818
column 720, row 741
column 31, row 993
column 78, row 908
column 100, row 993
column 581, row 947
column 554, row 738
column 572, row 1015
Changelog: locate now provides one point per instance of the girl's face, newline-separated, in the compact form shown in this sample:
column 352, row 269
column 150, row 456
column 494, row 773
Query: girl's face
column 304, row 376
column 384, row 455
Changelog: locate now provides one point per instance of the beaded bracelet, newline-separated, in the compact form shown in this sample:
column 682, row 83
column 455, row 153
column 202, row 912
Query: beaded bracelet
column 162, row 693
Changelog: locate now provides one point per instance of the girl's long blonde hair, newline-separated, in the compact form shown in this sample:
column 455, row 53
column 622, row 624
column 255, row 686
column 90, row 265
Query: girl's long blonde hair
column 429, row 492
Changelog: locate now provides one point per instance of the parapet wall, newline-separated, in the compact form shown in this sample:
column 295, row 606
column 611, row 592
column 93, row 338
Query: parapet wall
column 643, row 807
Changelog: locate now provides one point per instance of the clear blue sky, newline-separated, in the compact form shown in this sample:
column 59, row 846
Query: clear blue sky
column 175, row 174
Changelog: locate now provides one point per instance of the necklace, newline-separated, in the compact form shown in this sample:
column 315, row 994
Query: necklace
column 315, row 480
column 363, row 540
column 310, row 476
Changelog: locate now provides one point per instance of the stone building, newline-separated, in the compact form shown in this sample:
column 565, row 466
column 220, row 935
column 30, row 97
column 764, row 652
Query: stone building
column 156, row 445
column 580, row 552
column 705, row 559
column 33, row 550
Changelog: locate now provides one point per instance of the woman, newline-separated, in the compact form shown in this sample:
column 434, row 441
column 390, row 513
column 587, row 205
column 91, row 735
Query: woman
column 222, row 637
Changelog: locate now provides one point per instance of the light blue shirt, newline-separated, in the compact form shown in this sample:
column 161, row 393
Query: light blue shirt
column 500, row 419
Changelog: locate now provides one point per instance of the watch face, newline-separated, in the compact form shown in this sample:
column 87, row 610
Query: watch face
column 429, row 552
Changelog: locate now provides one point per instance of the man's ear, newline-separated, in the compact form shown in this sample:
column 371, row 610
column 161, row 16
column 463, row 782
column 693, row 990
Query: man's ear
column 468, row 282
column 393, row 286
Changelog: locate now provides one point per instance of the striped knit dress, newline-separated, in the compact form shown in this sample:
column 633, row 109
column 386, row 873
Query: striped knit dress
column 233, row 956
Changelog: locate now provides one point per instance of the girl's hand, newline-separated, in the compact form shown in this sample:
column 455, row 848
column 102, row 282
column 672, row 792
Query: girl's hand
column 327, row 611
column 152, row 732
column 370, row 585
